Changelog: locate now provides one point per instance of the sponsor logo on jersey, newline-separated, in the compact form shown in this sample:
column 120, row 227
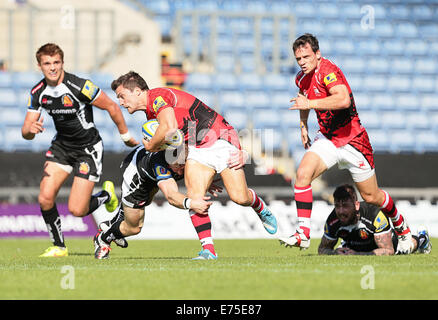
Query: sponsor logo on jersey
column 162, row 172
column 380, row 222
column 37, row 87
column 330, row 78
column 29, row 100
column 84, row 168
column 158, row 103
column 67, row 101
column 89, row 90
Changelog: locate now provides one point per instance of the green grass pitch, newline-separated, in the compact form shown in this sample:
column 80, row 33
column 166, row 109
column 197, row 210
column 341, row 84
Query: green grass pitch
column 245, row 270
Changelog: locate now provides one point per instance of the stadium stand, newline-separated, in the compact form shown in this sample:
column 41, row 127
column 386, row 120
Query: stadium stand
column 391, row 64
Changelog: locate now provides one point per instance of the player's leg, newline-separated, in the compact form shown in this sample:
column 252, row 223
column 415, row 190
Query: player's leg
column 236, row 186
column 197, row 178
column 54, row 175
column 312, row 166
column 371, row 193
column 131, row 225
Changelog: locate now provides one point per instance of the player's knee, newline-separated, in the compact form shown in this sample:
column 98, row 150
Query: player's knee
column 304, row 176
column 77, row 212
column 46, row 202
column 370, row 197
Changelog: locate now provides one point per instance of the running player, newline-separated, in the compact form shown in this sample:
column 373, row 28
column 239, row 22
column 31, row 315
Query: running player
column 363, row 227
column 341, row 140
column 77, row 146
column 211, row 140
column 144, row 173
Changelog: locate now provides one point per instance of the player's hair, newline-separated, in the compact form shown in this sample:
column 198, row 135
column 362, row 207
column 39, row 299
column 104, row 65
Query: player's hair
column 306, row 38
column 345, row 191
column 49, row 49
column 130, row 80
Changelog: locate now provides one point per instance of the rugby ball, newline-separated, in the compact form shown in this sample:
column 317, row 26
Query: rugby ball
column 174, row 141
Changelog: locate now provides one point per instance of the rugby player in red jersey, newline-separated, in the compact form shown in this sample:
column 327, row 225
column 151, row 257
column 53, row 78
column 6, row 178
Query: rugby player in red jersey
column 341, row 140
column 213, row 146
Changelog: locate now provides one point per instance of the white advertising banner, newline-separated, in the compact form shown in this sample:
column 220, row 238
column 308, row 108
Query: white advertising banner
column 232, row 221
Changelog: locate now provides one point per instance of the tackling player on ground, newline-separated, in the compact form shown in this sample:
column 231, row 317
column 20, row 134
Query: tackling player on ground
column 211, row 140
column 341, row 140
column 364, row 229
column 77, row 146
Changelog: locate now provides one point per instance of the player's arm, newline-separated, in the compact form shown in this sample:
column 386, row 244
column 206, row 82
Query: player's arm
column 106, row 103
column 167, row 126
column 384, row 244
column 32, row 125
column 169, row 187
column 327, row 246
column 304, row 115
column 339, row 98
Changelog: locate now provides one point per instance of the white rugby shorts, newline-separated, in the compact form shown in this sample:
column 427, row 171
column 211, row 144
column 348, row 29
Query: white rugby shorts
column 215, row 156
column 346, row 157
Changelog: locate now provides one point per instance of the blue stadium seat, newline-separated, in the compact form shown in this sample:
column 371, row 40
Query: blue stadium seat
column 384, row 101
column 406, row 30
column 362, row 101
column 383, row 29
column 429, row 102
column 277, row 82
column 370, row 119
column 425, row 83
column 426, row 141
column 422, row 12
column 225, row 81
column 26, row 80
column 231, row 99
column 250, row 81
column 258, row 100
column 399, row 84
column 266, row 118
column 290, row 119
column 12, row 115
column 336, row 28
column 198, row 81
column 369, row 47
column 378, row 65
column 328, row 10
column 393, row 120
column 345, row 47
column 237, row 117
column 418, row 120
column 103, row 80
column 353, row 64
column 407, row 102
column 379, row 140
column 416, row 47
column 399, row 12
column 350, row 10
column 402, row 65
column 374, row 83
column 394, row 46
column 5, row 79
column 426, row 66
column 225, row 63
column 402, row 140
column 13, row 140
column 8, row 98
column 281, row 100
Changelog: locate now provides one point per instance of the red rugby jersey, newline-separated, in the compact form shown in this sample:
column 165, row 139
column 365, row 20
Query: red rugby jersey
column 201, row 125
column 339, row 126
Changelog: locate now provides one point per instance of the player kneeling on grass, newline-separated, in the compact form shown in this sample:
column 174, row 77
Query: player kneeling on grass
column 144, row 173
column 363, row 227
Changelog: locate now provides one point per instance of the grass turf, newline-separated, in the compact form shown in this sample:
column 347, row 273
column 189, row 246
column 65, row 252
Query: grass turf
column 245, row 270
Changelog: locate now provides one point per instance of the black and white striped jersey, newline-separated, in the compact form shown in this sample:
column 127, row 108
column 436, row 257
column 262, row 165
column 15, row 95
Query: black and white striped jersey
column 69, row 104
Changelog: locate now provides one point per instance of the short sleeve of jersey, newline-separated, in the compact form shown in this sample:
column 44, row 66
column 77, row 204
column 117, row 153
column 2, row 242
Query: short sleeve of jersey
column 33, row 104
column 298, row 78
column 85, row 90
column 331, row 76
column 329, row 230
column 159, row 99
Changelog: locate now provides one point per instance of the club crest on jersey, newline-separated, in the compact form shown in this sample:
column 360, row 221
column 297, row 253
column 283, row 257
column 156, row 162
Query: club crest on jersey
column 363, row 234
column 67, row 101
column 84, row 168
column 158, row 103
column 89, row 90
column 330, row 78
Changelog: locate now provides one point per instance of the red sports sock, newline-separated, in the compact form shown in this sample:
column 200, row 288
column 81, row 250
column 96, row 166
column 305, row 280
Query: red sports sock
column 257, row 204
column 390, row 210
column 202, row 224
column 304, row 201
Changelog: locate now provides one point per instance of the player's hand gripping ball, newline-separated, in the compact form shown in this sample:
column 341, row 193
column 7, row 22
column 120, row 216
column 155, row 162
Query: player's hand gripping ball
column 174, row 141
